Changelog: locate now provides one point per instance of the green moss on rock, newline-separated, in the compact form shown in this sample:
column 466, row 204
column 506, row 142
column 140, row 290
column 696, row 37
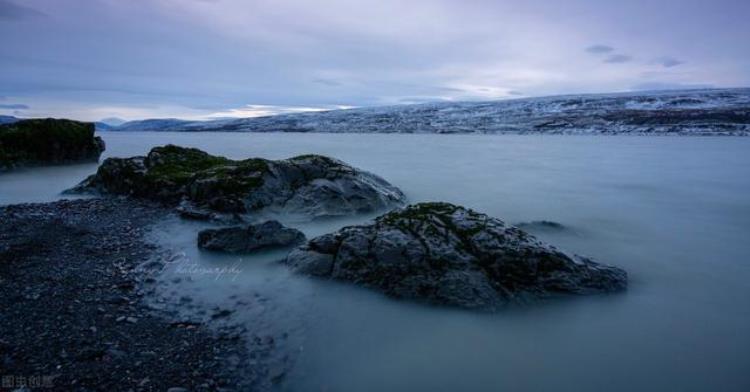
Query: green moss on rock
column 446, row 254
column 309, row 184
column 437, row 218
column 171, row 173
column 419, row 212
column 227, row 183
column 315, row 157
column 178, row 165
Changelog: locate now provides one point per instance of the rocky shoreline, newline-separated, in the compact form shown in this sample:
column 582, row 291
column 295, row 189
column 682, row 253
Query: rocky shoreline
column 75, row 315
column 80, row 279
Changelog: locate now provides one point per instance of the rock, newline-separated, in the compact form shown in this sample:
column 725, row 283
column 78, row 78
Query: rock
column 221, row 313
column 188, row 211
column 276, row 373
column 542, row 225
column 115, row 353
column 177, row 389
column 307, row 185
column 246, row 239
column 47, row 141
column 445, row 254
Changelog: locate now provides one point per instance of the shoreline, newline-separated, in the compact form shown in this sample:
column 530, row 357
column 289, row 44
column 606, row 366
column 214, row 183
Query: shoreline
column 75, row 306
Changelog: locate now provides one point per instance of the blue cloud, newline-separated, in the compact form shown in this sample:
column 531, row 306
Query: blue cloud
column 13, row 106
column 618, row 58
column 668, row 62
column 96, row 58
column 600, row 49
column 327, row 82
column 12, row 11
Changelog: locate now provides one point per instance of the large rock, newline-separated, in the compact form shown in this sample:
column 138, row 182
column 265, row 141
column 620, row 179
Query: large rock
column 309, row 185
column 47, row 141
column 445, row 254
column 246, row 239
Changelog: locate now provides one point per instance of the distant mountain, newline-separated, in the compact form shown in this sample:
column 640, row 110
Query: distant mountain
column 159, row 124
column 689, row 112
column 112, row 121
column 8, row 119
column 100, row 126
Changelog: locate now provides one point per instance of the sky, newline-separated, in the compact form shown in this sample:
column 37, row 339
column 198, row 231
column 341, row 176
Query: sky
column 203, row 59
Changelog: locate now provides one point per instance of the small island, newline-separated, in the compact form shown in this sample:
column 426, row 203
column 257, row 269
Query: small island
column 48, row 141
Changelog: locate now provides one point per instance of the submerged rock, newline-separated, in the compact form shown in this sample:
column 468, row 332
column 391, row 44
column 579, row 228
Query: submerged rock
column 47, row 141
column 445, row 254
column 541, row 225
column 309, row 185
column 239, row 239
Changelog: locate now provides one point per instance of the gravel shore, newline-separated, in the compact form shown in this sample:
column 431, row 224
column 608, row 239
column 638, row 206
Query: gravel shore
column 74, row 313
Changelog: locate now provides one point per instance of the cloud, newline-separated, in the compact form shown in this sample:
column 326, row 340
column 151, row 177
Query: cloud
column 269, row 110
column 618, row 59
column 327, row 82
column 600, row 49
column 648, row 86
column 418, row 100
column 299, row 53
column 13, row 106
column 668, row 62
column 444, row 89
column 12, row 11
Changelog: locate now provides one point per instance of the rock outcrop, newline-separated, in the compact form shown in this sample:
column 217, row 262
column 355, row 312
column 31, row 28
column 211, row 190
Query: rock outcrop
column 247, row 239
column 47, row 141
column 307, row 185
column 445, row 254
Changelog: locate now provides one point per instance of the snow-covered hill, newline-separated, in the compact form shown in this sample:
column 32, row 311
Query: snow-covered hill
column 690, row 112
column 158, row 124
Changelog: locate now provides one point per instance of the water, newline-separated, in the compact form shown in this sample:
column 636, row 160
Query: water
column 674, row 212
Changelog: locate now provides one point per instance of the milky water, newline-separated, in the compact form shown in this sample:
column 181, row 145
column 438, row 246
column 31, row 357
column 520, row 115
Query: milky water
column 674, row 212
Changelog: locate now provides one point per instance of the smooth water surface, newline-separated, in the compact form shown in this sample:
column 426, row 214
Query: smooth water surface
column 674, row 212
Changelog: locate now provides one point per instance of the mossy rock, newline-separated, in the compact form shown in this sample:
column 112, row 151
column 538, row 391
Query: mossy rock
column 446, row 254
column 48, row 141
column 179, row 164
column 313, row 184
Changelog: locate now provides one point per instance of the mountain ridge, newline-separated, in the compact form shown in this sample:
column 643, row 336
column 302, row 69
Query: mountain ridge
column 671, row 112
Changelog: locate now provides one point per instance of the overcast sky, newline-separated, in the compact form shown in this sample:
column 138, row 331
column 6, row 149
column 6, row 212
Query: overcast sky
column 91, row 59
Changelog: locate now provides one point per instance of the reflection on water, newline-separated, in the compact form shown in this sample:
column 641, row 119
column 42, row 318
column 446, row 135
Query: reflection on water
column 674, row 212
